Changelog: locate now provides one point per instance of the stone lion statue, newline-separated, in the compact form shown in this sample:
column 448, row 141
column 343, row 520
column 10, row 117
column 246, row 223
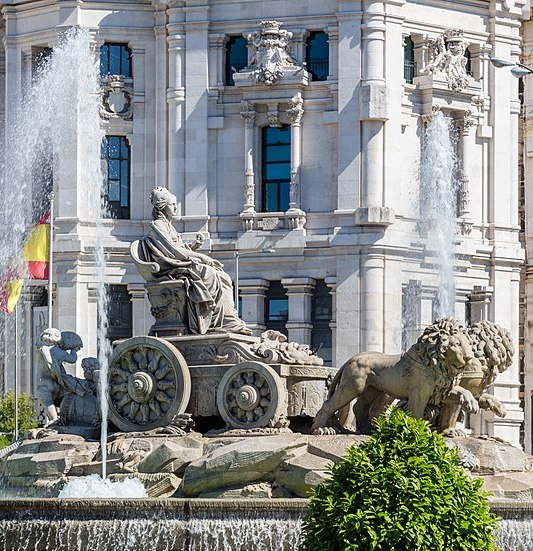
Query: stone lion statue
column 426, row 374
column 493, row 354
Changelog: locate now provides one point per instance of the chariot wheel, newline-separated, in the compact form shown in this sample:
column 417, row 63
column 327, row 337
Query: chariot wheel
column 250, row 395
column 148, row 384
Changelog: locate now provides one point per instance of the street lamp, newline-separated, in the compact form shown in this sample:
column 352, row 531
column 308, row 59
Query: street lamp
column 518, row 69
column 238, row 254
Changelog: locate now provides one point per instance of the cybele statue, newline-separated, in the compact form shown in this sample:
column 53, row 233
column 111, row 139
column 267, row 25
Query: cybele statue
column 183, row 284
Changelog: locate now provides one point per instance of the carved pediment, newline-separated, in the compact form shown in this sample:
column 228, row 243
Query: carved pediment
column 270, row 60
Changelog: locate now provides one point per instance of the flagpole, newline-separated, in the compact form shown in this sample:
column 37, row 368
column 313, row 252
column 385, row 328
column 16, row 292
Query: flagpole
column 51, row 250
column 15, row 381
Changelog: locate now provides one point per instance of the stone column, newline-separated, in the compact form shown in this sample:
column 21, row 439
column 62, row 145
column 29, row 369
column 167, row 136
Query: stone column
column 372, row 291
column 176, row 100
column 160, row 31
column 295, row 113
column 248, row 115
column 196, row 117
column 27, row 65
column 300, row 293
column 138, row 297
column 373, row 97
column 348, row 110
column 139, row 176
column 464, row 192
column 253, row 293
column 331, row 282
column 333, row 39
column 479, row 303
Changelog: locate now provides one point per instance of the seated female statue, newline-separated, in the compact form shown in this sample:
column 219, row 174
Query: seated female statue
column 209, row 290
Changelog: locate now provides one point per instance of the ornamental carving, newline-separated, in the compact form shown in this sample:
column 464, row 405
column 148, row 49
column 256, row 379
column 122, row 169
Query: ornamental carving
column 269, row 53
column 116, row 98
column 248, row 113
column 447, row 56
column 273, row 348
column 296, row 110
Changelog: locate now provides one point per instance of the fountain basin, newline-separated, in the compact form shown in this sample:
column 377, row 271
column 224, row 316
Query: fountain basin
column 188, row 524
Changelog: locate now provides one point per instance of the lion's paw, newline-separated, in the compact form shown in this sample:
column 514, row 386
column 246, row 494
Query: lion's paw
column 469, row 403
column 454, row 433
column 488, row 401
column 325, row 431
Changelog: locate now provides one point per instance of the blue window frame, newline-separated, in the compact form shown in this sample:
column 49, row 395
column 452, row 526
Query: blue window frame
column 317, row 55
column 321, row 314
column 115, row 59
column 276, row 307
column 408, row 59
column 276, row 168
column 116, row 158
column 236, row 57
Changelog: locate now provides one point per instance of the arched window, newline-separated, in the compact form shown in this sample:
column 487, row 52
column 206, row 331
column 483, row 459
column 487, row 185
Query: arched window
column 236, row 57
column 116, row 159
column 115, row 59
column 276, row 168
column 317, row 55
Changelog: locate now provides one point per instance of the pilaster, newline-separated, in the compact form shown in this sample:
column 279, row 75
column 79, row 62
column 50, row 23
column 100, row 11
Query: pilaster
column 300, row 294
column 253, row 295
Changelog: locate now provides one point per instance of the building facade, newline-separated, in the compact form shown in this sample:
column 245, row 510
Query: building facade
column 291, row 134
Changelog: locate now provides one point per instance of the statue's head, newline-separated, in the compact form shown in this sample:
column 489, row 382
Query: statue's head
column 50, row 336
column 163, row 202
column 89, row 366
column 70, row 341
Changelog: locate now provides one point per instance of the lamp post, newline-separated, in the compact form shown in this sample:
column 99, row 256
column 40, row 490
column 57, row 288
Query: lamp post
column 236, row 256
column 518, row 69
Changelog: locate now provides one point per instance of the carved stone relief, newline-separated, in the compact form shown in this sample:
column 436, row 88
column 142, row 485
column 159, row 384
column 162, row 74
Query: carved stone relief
column 116, row 98
column 447, row 56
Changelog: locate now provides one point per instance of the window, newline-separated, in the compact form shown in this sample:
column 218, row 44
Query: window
column 276, row 168
column 116, row 158
column 317, row 55
column 276, row 307
column 408, row 59
column 468, row 67
column 120, row 313
column 236, row 57
column 321, row 314
column 115, row 59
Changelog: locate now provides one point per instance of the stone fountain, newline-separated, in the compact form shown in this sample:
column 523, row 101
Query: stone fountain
column 200, row 364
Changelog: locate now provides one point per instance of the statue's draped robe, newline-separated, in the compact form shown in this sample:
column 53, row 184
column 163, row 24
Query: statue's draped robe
column 208, row 289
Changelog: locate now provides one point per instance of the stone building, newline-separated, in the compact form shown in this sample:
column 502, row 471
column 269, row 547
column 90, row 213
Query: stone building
column 291, row 134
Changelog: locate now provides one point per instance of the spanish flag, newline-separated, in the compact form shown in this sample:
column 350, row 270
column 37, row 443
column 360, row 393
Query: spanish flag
column 11, row 283
column 36, row 256
column 37, row 249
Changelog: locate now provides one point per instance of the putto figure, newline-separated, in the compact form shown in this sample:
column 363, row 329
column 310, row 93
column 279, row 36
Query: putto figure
column 54, row 383
column 205, row 290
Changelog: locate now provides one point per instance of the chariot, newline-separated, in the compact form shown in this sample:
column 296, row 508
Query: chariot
column 251, row 382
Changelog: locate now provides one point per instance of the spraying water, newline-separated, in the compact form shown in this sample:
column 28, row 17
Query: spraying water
column 438, row 206
column 54, row 134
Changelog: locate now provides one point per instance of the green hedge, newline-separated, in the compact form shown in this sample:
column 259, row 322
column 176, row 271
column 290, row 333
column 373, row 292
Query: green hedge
column 402, row 490
column 26, row 415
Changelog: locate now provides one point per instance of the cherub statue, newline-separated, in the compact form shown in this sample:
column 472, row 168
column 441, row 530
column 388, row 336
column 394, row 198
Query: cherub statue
column 54, row 383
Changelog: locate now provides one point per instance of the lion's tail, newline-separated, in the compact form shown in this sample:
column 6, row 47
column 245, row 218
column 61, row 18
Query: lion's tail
column 335, row 381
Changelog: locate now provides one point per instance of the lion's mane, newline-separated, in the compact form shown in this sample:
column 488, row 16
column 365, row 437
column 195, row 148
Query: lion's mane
column 431, row 349
column 493, row 348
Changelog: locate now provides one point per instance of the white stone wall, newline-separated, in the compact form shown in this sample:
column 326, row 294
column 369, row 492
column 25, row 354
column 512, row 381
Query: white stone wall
column 358, row 165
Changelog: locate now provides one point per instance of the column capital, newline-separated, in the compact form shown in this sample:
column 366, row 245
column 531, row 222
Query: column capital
column 296, row 285
column 248, row 113
column 137, row 291
column 253, row 286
